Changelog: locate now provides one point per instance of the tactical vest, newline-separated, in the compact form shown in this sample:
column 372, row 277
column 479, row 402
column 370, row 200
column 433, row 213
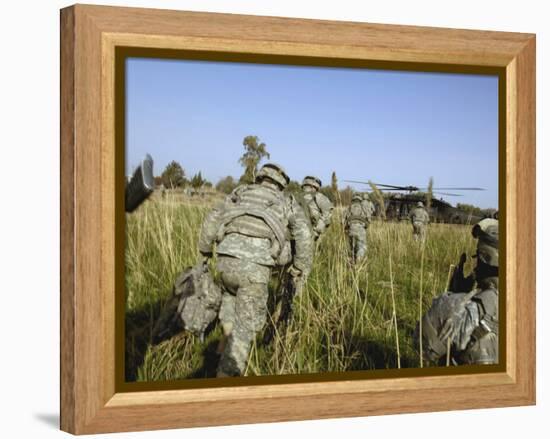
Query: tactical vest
column 259, row 212
column 356, row 213
column 420, row 216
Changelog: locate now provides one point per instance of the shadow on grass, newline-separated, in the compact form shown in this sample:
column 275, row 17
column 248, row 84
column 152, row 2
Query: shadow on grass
column 139, row 325
column 210, row 360
column 141, row 334
column 373, row 354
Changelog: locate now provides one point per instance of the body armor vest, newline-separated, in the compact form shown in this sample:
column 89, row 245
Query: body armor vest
column 259, row 212
column 357, row 214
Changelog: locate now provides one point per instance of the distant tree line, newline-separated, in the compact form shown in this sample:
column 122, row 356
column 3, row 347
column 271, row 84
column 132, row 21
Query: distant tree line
column 474, row 210
column 174, row 177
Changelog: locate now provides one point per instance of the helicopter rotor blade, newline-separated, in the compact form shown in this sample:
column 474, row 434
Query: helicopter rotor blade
column 455, row 188
column 400, row 188
column 391, row 187
column 448, row 194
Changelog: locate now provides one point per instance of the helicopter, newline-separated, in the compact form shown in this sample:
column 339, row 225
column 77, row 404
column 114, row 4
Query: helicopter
column 398, row 204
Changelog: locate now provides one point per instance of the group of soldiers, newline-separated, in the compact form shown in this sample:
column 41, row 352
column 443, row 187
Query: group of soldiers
column 260, row 228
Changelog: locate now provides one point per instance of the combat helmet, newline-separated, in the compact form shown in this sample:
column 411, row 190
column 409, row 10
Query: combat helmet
column 420, row 204
column 275, row 173
column 356, row 197
column 312, row 181
column 486, row 233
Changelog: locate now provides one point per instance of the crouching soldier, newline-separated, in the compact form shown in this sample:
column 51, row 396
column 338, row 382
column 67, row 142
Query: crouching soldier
column 357, row 219
column 462, row 325
column 318, row 205
column 251, row 233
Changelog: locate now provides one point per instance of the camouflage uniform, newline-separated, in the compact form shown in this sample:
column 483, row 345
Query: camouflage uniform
column 419, row 219
column 252, row 230
column 466, row 323
column 318, row 205
column 357, row 219
column 368, row 205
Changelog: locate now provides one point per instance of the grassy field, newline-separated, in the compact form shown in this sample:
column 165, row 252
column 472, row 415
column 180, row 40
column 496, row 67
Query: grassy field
column 346, row 318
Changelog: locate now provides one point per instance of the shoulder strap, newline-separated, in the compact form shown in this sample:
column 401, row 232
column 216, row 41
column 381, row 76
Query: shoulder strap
column 272, row 222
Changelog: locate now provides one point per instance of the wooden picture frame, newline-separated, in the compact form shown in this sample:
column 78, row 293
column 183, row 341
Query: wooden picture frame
column 91, row 401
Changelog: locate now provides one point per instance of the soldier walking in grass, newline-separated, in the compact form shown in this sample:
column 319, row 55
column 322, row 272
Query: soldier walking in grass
column 462, row 324
column 419, row 219
column 252, row 231
column 319, row 206
column 368, row 204
column 357, row 219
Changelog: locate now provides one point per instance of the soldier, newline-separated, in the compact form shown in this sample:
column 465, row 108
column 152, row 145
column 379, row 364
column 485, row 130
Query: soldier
column 252, row 230
column 368, row 205
column 462, row 325
column 318, row 205
column 357, row 219
column 419, row 220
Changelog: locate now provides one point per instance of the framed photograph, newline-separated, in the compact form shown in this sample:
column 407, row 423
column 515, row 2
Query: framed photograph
column 268, row 219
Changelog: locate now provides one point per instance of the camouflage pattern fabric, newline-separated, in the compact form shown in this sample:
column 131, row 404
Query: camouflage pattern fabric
column 368, row 206
column 193, row 305
column 200, row 299
column 320, row 212
column 243, row 310
column 419, row 219
column 357, row 219
column 263, row 212
column 357, row 237
column 466, row 323
column 254, row 229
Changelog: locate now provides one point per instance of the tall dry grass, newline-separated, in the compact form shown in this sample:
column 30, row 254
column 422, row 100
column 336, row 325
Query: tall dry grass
column 347, row 318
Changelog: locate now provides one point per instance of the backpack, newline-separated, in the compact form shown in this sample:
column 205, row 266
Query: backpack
column 199, row 299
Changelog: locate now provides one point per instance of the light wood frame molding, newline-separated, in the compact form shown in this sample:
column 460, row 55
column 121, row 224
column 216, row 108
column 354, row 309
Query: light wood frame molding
column 89, row 36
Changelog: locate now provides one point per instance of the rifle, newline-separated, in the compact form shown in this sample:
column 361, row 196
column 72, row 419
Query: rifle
column 458, row 282
column 141, row 185
column 290, row 287
column 289, row 291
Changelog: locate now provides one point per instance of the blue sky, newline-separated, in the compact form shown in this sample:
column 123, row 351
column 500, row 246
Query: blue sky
column 390, row 127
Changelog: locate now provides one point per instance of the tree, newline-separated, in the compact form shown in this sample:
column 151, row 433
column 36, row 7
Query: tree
column 345, row 196
column 173, row 175
column 197, row 181
column 470, row 208
column 254, row 152
column 226, row 185
column 329, row 193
